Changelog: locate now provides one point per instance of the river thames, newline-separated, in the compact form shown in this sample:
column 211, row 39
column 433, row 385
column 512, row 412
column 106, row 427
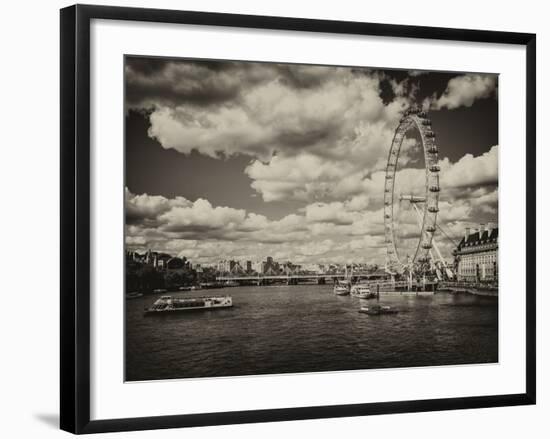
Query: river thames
column 306, row 328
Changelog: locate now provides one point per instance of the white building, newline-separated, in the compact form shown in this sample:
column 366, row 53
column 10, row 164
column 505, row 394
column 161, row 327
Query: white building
column 477, row 255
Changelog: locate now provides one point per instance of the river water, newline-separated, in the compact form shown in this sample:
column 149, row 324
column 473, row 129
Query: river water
column 306, row 328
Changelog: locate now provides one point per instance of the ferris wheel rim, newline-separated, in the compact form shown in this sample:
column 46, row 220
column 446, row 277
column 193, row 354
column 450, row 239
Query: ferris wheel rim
column 420, row 121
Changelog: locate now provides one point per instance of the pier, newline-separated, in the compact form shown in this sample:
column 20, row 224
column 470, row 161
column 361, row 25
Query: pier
column 479, row 289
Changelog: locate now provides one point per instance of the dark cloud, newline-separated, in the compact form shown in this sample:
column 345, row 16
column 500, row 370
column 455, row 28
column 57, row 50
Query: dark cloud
column 152, row 83
column 146, row 66
column 303, row 77
column 161, row 81
column 173, row 81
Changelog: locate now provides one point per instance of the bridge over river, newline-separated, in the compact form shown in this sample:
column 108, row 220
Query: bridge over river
column 321, row 279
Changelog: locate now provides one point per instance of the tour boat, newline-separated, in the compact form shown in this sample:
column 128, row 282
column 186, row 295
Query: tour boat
column 376, row 310
column 174, row 304
column 362, row 291
column 342, row 288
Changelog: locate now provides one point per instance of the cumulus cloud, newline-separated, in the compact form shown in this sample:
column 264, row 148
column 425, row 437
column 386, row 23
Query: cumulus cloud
column 305, row 177
column 404, row 88
column 329, row 213
column 202, row 231
column 486, row 202
column 341, row 117
column 317, row 248
column 463, row 91
column 144, row 206
column 272, row 113
column 201, row 217
column 309, row 177
column 471, row 171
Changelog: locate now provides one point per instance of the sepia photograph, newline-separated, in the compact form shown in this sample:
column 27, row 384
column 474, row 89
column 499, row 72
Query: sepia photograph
column 294, row 218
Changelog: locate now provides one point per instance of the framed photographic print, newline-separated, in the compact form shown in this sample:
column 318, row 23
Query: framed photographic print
column 269, row 218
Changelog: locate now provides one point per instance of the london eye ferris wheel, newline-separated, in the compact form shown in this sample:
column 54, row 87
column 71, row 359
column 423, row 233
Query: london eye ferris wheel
column 425, row 204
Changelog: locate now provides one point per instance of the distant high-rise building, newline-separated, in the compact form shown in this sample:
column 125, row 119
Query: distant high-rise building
column 226, row 266
column 270, row 266
column 257, row 267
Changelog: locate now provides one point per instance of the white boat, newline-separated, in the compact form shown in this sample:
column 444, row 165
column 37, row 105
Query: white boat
column 362, row 291
column 342, row 287
column 174, row 304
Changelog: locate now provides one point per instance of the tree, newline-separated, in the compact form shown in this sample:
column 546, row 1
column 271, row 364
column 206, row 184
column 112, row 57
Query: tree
column 174, row 279
column 150, row 279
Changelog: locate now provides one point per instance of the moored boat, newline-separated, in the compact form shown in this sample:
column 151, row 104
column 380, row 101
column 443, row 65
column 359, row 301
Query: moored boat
column 362, row 291
column 342, row 288
column 174, row 304
column 210, row 285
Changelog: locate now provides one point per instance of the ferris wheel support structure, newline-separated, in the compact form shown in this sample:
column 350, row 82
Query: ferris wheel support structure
column 448, row 272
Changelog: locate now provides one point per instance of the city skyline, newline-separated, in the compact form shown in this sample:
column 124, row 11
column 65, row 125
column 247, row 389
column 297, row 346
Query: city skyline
column 159, row 259
column 248, row 160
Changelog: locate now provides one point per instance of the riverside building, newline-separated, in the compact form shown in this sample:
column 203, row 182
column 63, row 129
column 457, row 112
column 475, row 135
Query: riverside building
column 477, row 255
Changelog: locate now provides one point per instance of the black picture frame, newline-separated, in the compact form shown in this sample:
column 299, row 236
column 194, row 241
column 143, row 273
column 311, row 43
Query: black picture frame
column 75, row 217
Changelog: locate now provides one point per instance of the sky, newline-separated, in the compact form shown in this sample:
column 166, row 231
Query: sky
column 244, row 160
